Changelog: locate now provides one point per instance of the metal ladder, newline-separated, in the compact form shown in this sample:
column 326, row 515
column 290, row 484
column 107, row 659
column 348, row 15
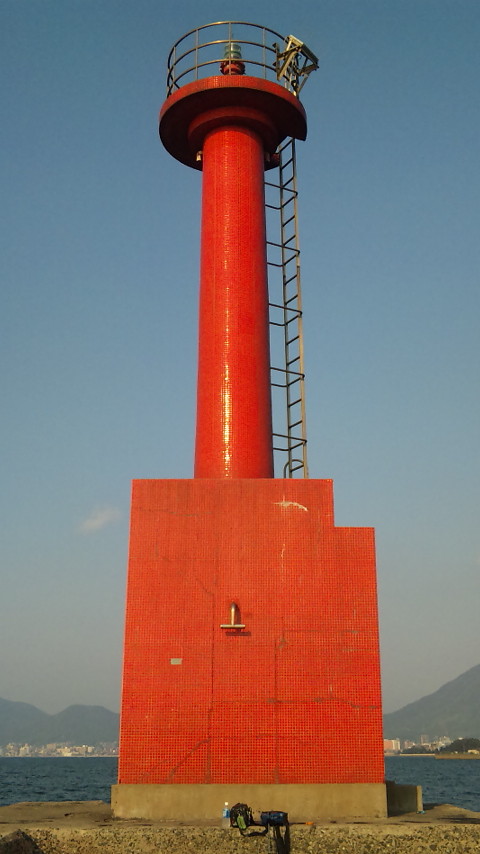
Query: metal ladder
column 286, row 333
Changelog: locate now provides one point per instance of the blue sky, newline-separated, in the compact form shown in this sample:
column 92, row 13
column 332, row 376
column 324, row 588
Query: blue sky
column 99, row 271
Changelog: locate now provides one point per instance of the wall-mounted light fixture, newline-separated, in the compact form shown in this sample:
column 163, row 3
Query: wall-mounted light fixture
column 234, row 616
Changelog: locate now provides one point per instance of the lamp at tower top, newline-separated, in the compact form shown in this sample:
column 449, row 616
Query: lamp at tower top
column 237, row 47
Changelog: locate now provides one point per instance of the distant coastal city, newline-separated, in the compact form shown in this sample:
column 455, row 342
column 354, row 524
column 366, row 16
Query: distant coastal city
column 59, row 749
column 396, row 745
column 442, row 747
column 391, row 747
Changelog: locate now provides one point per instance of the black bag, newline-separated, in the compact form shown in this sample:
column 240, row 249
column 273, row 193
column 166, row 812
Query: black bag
column 274, row 818
column 241, row 816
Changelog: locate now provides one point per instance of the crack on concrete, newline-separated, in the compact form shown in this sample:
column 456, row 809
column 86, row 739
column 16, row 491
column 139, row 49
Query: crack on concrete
column 180, row 513
column 332, row 698
column 202, row 585
column 185, row 758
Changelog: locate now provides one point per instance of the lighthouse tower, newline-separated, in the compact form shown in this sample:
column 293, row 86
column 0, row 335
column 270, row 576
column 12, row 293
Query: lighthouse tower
column 251, row 661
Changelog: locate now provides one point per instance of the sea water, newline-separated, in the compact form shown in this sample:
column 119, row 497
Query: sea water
column 443, row 781
column 451, row 781
column 56, row 778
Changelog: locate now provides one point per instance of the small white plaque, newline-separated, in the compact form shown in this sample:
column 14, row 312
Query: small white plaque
column 176, row 660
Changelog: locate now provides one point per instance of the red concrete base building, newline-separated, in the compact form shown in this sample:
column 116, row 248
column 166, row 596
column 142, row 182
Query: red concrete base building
column 251, row 659
column 293, row 695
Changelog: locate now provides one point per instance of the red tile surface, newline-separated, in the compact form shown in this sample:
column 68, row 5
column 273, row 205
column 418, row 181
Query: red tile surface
column 233, row 392
column 292, row 698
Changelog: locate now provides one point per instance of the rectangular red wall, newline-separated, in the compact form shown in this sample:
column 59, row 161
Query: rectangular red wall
column 292, row 698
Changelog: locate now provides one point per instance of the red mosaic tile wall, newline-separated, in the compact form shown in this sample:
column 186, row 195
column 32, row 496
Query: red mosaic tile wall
column 292, row 698
column 233, row 387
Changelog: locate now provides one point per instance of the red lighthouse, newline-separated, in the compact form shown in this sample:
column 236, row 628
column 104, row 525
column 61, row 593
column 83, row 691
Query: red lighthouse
column 251, row 663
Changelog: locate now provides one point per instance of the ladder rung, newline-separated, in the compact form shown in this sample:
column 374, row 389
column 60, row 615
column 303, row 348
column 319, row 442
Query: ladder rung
column 299, row 440
column 285, row 308
column 285, row 145
column 291, row 198
column 284, row 245
column 284, row 180
column 285, row 171
column 295, row 338
column 283, row 371
column 294, row 402
column 287, row 162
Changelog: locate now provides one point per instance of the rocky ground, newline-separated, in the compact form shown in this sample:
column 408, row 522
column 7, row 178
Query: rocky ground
column 88, row 828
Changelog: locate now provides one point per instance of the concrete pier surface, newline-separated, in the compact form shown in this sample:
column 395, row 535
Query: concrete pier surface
column 87, row 827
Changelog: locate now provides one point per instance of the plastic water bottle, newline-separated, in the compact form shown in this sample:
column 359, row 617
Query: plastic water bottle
column 226, row 815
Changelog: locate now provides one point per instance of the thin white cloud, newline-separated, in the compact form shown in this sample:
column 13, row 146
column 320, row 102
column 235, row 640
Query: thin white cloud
column 99, row 518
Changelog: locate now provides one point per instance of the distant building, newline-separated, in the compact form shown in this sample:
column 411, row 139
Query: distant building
column 391, row 745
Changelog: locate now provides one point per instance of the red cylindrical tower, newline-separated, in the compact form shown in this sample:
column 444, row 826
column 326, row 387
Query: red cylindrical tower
column 230, row 126
column 234, row 421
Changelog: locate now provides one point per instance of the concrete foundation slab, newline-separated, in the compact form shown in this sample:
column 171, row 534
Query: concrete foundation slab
column 199, row 802
column 403, row 798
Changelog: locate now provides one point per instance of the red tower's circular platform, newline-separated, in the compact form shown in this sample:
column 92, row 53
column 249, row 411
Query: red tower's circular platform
column 202, row 105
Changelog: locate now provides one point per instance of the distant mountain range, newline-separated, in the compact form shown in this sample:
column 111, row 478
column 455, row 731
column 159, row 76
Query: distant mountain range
column 453, row 710
column 21, row 723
